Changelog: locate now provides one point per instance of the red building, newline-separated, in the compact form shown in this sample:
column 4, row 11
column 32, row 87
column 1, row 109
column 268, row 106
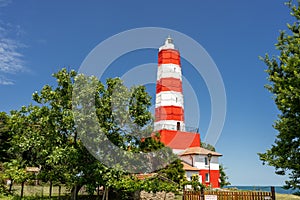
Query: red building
column 169, row 119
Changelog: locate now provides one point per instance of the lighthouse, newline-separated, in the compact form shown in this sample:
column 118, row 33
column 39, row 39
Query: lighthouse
column 170, row 124
column 169, row 104
column 169, row 108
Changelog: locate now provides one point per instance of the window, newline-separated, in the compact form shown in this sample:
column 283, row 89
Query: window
column 207, row 177
column 206, row 161
column 178, row 126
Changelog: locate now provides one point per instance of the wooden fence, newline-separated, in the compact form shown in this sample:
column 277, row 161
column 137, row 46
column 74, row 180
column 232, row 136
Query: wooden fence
column 229, row 195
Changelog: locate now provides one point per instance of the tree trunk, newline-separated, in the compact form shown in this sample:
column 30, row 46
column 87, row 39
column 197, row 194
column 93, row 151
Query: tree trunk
column 59, row 191
column 74, row 192
column 104, row 191
column 106, row 195
column 22, row 189
column 10, row 186
column 50, row 190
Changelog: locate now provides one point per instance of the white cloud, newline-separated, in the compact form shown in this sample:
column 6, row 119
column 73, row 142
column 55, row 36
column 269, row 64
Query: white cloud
column 11, row 58
column 5, row 81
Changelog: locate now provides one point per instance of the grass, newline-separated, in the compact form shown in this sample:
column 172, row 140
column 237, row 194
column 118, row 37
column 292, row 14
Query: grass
column 30, row 190
column 278, row 197
column 42, row 192
column 287, row 197
column 81, row 197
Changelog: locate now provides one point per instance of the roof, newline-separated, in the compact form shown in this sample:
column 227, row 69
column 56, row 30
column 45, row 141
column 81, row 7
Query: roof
column 199, row 151
column 188, row 167
column 179, row 139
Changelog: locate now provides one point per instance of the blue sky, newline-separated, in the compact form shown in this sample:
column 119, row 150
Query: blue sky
column 37, row 38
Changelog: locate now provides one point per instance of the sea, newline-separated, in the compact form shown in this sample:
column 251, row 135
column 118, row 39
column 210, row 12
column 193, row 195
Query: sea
column 278, row 189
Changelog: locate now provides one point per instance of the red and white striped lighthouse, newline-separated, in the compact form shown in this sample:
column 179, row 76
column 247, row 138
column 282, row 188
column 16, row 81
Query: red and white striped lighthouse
column 169, row 109
column 169, row 106
column 169, row 119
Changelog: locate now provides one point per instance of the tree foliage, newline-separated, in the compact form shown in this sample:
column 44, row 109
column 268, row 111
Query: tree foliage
column 4, row 137
column 223, row 177
column 195, row 183
column 45, row 135
column 208, row 146
column 284, row 76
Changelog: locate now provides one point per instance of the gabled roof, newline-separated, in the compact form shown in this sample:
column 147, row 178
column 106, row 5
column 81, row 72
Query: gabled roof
column 188, row 167
column 199, row 151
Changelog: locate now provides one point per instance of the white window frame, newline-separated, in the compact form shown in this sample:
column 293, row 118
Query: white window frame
column 207, row 178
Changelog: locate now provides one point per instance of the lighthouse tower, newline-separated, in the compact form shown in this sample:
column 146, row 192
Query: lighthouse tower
column 169, row 106
column 169, row 109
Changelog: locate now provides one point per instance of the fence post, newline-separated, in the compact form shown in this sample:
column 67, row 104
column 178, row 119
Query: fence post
column 202, row 196
column 273, row 192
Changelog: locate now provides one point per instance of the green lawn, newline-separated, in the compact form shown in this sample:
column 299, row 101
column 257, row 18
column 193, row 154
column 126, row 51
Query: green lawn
column 42, row 192
column 286, row 197
column 278, row 197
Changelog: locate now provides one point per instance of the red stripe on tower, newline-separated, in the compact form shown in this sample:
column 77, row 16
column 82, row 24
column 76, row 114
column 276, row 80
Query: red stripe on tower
column 169, row 84
column 167, row 56
column 169, row 113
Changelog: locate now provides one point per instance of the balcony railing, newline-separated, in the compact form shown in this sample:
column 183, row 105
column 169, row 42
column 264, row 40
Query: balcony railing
column 174, row 127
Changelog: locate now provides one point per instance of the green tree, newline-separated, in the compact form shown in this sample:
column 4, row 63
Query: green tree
column 4, row 141
column 195, row 183
column 175, row 172
column 208, row 146
column 284, row 77
column 223, row 177
column 46, row 135
column 4, row 137
column 20, row 153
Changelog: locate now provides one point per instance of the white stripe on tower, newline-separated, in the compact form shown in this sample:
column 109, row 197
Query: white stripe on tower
column 169, row 109
column 169, row 70
column 169, row 98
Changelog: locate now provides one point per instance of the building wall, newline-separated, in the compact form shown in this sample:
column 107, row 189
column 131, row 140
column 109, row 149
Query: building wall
column 214, row 178
column 198, row 161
